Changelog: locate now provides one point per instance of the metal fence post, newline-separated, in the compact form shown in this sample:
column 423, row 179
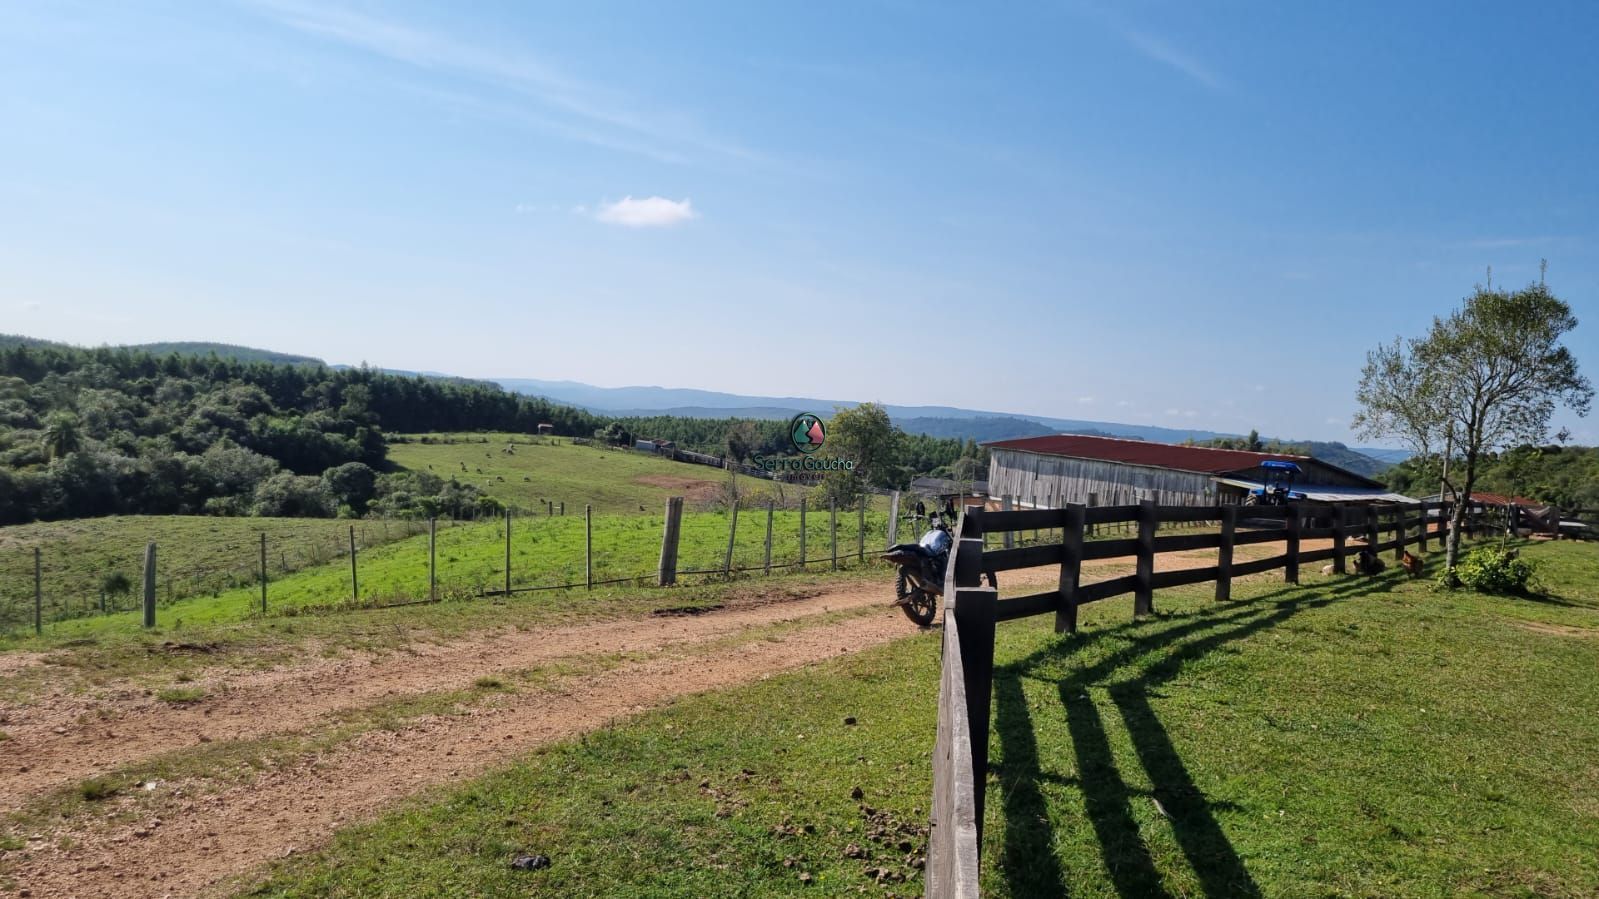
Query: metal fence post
column 802, row 535
column 588, row 544
column 832, row 509
column 767, row 564
column 860, row 536
column 433, row 560
column 507, row 552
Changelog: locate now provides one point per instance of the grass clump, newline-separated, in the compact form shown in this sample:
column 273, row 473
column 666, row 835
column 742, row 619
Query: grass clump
column 97, row 789
column 181, row 695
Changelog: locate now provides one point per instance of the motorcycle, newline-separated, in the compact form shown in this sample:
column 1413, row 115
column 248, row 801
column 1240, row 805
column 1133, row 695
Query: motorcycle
column 921, row 572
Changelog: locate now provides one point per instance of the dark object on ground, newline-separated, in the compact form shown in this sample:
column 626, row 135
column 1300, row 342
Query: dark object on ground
column 1411, row 564
column 530, row 862
column 1367, row 562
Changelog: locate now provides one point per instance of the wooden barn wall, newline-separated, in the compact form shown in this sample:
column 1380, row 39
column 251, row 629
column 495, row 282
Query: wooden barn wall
column 1052, row 481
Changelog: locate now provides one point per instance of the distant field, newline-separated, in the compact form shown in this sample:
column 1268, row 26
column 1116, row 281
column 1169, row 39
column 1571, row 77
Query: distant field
column 545, row 551
column 196, row 556
column 525, row 472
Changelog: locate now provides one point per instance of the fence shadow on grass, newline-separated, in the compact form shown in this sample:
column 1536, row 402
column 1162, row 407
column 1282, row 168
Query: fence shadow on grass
column 1159, row 648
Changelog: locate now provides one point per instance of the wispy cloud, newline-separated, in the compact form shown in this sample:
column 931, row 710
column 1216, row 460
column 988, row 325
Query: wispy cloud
column 1086, row 400
column 1502, row 243
column 648, row 212
column 1161, row 51
column 587, row 112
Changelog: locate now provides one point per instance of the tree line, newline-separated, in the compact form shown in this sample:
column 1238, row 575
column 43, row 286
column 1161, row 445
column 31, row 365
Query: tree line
column 88, row 432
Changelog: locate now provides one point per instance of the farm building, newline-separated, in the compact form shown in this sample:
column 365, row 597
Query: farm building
column 546, row 429
column 944, row 488
column 1067, row 468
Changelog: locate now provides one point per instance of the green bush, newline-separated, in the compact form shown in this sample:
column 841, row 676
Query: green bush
column 1493, row 570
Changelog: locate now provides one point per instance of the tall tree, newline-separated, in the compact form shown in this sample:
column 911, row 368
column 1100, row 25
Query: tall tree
column 866, row 436
column 1486, row 377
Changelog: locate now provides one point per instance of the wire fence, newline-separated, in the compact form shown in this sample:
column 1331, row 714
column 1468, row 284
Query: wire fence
column 87, row 576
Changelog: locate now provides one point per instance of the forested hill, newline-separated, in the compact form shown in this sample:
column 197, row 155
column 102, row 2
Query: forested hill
column 182, row 348
column 104, row 431
column 225, row 351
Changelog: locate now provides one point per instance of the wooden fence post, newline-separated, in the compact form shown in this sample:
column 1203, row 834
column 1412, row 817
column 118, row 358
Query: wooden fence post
column 1224, row 553
column 667, row 574
column 563, row 508
column 263, row 574
column 1296, row 516
column 832, row 509
column 1400, row 535
column 38, row 592
column 802, row 535
column 768, row 562
column 588, row 544
column 1093, row 500
column 1371, row 528
column 1340, row 521
column 433, row 560
column 893, row 519
column 149, row 585
column 1005, row 505
column 860, row 529
column 507, row 552
column 1424, row 522
column 732, row 531
column 355, row 584
column 1144, row 597
column 976, row 610
column 1071, row 567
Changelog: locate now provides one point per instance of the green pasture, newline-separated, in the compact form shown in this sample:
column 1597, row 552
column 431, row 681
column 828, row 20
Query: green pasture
column 528, row 472
column 545, row 552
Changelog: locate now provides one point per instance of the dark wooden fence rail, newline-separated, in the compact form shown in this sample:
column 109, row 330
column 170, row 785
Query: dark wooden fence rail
column 960, row 756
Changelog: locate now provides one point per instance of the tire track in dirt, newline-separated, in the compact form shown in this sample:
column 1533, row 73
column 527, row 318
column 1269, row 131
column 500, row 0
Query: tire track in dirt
column 213, row 840
column 64, row 738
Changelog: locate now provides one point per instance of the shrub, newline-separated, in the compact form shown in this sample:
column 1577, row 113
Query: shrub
column 1493, row 570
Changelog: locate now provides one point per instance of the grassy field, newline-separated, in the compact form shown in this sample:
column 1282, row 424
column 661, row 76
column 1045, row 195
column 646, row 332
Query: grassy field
column 526, row 472
column 198, row 556
column 545, row 551
column 1348, row 737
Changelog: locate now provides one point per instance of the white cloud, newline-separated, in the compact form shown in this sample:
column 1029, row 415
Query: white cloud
column 1173, row 412
column 1162, row 52
column 649, row 212
column 1124, row 403
column 1085, row 400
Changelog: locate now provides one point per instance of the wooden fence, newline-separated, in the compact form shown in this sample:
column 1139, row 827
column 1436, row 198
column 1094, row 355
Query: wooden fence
column 960, row 755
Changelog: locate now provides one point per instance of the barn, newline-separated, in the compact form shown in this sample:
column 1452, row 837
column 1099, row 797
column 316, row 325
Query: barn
column 1054, row 470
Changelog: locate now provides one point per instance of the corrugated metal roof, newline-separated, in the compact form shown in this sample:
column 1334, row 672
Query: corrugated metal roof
column 1199, row 459
column 1330, row 493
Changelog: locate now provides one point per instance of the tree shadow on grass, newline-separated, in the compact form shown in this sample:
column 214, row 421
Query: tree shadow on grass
column 1030, row 864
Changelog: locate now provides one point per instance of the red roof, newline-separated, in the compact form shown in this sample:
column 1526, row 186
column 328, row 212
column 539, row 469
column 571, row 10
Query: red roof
column 1141, row 452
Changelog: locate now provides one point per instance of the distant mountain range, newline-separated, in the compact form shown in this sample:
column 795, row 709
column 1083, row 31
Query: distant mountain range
column 936, row 421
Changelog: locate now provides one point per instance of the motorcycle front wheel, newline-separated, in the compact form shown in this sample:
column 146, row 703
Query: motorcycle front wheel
column 917, row 604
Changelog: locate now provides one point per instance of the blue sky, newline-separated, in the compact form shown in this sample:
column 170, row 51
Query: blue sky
column 1186, row 214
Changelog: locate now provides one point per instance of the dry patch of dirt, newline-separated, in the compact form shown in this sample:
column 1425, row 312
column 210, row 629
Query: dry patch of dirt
column 694, row 490
column 1557, row 630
